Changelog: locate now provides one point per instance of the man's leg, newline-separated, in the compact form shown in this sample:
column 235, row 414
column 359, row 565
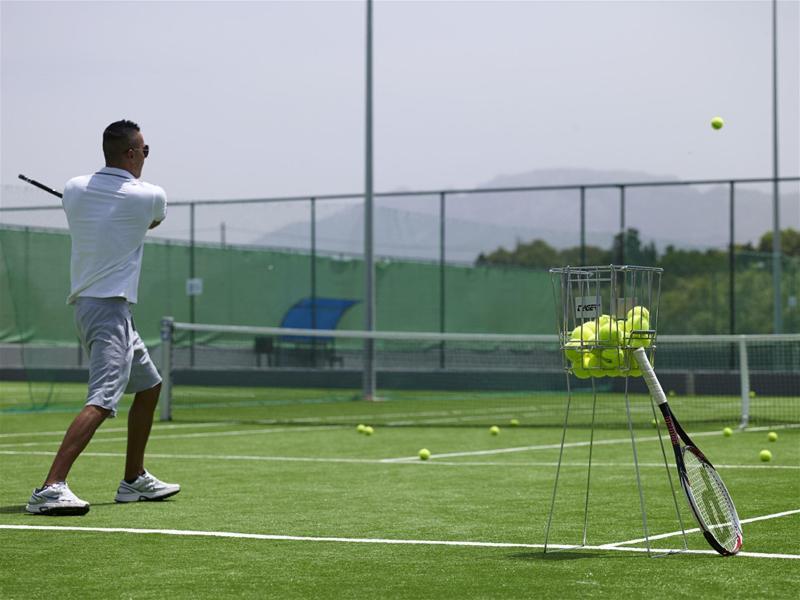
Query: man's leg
column 75, row 440
column 140, row 420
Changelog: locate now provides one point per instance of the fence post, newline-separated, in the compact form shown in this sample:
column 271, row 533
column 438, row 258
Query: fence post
column 744, row 375
column 167, row 329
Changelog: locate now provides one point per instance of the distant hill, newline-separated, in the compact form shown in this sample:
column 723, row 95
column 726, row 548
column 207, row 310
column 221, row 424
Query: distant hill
column 684, row 216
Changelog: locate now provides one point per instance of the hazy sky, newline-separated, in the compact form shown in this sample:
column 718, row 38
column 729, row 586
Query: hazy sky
column 255, row 99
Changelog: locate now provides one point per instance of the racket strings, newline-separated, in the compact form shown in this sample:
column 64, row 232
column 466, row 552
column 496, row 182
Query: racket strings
column 713, row 503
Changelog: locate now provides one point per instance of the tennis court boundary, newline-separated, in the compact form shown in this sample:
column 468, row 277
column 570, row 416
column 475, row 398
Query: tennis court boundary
column 385, row 541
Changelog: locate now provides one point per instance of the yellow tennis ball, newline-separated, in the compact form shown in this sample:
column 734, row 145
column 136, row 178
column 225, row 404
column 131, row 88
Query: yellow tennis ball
column 717, row 122
column 638, row 311
column 514, row 422
column 368, row 430
column 580, row 372
column 361, row 428
column 727, row 432
column 424, row 454
column 591, row 360
column 765, row 455
column 494, row 430
column 612, row 358
column 772, row 436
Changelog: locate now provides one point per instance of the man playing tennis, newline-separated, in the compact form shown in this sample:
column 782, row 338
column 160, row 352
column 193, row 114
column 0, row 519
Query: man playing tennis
column 109, row 214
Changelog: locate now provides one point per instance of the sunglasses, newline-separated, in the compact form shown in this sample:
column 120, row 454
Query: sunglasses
column 145, row 150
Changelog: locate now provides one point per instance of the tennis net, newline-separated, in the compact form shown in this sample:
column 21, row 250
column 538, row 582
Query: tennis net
column 304, row 376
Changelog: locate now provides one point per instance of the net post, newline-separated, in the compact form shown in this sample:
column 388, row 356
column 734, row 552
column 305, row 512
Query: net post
column 744, row 378
column 167, row 330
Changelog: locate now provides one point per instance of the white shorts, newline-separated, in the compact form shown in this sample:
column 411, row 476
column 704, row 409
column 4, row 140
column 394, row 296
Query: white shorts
column 118, row 360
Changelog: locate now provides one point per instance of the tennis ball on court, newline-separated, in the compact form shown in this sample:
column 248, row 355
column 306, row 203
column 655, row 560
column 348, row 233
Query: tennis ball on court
column 424, row 454
column 494, row 430
column 727, row 432
column 361, row 428
column 772, row 436
column 368, row 430
column 765, row 455
column 752, row 393
column 717, row 122
column 514, row 422
column 672, row 393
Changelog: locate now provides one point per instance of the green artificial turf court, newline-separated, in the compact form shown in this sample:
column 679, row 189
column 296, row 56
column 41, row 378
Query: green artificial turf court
column 331, row 512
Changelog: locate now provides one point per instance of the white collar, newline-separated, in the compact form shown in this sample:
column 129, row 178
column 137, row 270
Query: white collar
column 117, row 172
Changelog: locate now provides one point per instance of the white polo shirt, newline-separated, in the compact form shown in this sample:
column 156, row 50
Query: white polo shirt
column 109, row 213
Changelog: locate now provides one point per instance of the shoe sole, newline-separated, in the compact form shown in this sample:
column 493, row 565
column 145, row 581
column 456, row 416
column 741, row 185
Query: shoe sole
column 142, row 498
column 60, row 511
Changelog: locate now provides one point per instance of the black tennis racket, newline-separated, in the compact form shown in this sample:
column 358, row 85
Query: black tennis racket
column 41, row 186
column 708, row 497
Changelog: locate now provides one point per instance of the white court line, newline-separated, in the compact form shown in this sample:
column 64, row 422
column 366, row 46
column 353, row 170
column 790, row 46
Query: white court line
column 697, row 529
column 175, row 436
column 156, row 427
column 379, row 461
column 567, row 445
column 294, row 538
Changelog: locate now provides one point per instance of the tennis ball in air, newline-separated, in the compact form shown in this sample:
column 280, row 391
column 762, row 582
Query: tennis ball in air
column 653, row 422
column 494, row 430
column 772, row 436
column 424, row 454
column 514, row 422
column 752, row 393
column 368, row 430
column 361, row 428
column 765, row 455
column 727, row 432
column 717, row 122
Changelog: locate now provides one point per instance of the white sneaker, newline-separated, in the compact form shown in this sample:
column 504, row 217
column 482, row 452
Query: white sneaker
column 146, row 487
column 56, row 499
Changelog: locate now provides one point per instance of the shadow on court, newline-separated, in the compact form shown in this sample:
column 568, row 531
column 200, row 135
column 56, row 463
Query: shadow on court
column 20, row 509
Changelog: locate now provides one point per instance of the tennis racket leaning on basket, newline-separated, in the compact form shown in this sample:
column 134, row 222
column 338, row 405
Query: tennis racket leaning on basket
column 708, row 497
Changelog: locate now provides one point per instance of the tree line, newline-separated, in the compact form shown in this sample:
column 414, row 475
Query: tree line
column 696, row 288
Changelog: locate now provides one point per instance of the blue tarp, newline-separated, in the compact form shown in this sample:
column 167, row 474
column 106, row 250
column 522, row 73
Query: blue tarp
column 319, row 313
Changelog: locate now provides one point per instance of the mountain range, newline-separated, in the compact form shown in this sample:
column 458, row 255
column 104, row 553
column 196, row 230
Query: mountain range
column 679, row 215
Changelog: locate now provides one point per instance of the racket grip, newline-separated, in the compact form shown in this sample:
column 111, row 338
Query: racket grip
column 650, row 376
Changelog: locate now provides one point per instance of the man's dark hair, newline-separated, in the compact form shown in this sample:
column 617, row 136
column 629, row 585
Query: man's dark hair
column 118, row 138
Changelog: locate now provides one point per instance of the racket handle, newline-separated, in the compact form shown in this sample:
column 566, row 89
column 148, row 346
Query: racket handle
column 650, row 376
